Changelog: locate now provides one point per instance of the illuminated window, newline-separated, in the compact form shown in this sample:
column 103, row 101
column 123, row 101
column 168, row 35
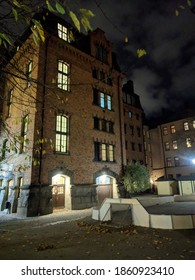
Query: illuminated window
column 63, row 75
column 130, row 114
column 109, row 102
column 63, row 33
column 186, row 126
column 62, row 129
column 173, row 129
column 167, row 146
column 102, row 99
column 111, row 152
column 24, row 140
column 174, row 145
column 165, row 130
column 103, row 152
column 193, row 124
column 188, row 142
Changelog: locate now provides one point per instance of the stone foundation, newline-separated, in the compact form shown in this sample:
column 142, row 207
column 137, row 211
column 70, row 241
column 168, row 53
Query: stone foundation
column 83, row 196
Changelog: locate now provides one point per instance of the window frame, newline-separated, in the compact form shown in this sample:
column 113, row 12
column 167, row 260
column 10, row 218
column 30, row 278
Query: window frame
column 63, row 32
column 62, row 134
column 63, row 77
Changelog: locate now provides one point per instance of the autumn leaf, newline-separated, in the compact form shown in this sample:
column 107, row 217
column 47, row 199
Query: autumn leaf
column 141, row 52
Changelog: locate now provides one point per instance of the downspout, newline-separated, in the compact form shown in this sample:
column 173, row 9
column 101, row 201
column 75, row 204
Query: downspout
column 120, row 123
column 43, row 108
column 165, row 167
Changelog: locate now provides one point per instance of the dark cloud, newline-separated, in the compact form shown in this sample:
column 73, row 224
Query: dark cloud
column 165, row 79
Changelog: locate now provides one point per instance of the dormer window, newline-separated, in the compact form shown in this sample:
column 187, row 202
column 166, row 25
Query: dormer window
column 101, row 53
column 63, row 33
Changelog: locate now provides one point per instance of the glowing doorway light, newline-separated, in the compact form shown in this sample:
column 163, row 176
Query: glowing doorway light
column 193, row 160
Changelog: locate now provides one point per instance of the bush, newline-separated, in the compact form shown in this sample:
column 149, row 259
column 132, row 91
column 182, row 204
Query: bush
column 136, row 178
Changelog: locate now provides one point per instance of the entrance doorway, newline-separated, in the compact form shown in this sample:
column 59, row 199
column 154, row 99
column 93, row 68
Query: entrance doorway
column 104, row 188
column 58, row 191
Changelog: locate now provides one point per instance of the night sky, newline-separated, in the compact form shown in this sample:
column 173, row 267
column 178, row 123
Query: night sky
column 164, row 78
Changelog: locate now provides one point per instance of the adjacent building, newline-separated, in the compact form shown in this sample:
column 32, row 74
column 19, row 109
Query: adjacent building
column 172, row 147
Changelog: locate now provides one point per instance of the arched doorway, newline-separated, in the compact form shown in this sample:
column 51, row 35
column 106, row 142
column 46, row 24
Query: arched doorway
column 106, row 188
column 59, row 183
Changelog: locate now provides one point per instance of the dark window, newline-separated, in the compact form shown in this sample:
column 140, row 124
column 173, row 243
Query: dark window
column 102, row 76
column 111, row 127
column 95, row 97
column 101, row 53
column 96, row 151
column 177, row 161
column 132, row 129
column 104, row 125
column 133, row 146
column 95, row 73
column 109, row 81
column 96, row 123
column 138, row 131
column 140, row 147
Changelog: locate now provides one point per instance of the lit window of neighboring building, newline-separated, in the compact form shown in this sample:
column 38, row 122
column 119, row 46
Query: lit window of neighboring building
column 63, row 75
column 174, row 145
column 103, row 152
column 173, row 129
column 186, row 126
column 165, row 130
column 188, row 142
column 63, row 33
column 23, row 145
column 177, row 161
column 167, row 146
column 169, row 161
column 29, row 73
column 193, row 124
column 62, row 130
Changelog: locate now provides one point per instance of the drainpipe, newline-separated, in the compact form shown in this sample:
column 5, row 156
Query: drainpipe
column 120, row 123
column 165, row 167
column 43, row 106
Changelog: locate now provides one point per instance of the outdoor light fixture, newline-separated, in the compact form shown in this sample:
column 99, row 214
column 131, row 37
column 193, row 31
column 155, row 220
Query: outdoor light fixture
column 193, row 160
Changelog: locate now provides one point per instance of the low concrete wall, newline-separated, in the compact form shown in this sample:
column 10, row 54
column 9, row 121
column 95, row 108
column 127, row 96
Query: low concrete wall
column 140, row 217
column 184, row 198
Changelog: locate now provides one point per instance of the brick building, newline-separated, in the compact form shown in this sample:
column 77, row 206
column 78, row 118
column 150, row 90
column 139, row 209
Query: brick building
column 133, row 125
column 62, row 141
column 172, row 146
